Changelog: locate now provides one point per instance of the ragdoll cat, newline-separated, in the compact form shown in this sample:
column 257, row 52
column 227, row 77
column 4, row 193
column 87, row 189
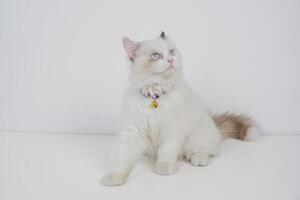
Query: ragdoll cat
column 163, row 117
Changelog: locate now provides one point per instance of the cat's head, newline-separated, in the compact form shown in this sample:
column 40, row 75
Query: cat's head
column 153, row 58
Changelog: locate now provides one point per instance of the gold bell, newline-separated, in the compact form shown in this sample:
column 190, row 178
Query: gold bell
column 154, row 104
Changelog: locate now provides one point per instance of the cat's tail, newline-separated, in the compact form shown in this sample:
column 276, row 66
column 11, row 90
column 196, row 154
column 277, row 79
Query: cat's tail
column 239, row 127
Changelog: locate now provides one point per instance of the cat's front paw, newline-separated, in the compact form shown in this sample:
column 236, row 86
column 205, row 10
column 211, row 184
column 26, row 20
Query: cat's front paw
column 113, row 179
column 165, row 168
column 200, row 159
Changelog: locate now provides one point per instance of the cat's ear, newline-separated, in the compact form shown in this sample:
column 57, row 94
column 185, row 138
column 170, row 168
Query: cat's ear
column 131, row 47
column 163, row 35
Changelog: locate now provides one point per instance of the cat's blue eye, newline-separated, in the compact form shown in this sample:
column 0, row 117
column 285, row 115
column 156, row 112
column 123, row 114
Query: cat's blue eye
column 172, row 52
column 156, row 56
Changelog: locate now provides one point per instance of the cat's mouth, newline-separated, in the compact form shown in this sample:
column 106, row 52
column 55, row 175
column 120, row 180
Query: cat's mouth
column 170, row 68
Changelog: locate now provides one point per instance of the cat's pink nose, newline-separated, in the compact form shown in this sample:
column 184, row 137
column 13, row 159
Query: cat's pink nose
column 170, row 60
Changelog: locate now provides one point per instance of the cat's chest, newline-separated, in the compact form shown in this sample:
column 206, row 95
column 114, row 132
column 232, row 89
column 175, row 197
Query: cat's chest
column 156, row 103
column 164, row 109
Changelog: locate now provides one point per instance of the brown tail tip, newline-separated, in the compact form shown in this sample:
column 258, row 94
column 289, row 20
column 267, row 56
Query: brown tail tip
column 236, row 126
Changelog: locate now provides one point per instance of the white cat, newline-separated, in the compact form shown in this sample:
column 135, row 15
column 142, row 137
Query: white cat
column 164, row 118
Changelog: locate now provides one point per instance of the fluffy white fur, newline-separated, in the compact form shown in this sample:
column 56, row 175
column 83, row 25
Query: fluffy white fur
column 179, row 128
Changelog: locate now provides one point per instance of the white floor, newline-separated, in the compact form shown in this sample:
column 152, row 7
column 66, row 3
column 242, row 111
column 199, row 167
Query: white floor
column 68, row 167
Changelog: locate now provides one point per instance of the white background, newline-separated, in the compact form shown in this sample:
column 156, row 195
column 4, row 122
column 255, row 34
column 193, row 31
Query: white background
column 63, row 67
